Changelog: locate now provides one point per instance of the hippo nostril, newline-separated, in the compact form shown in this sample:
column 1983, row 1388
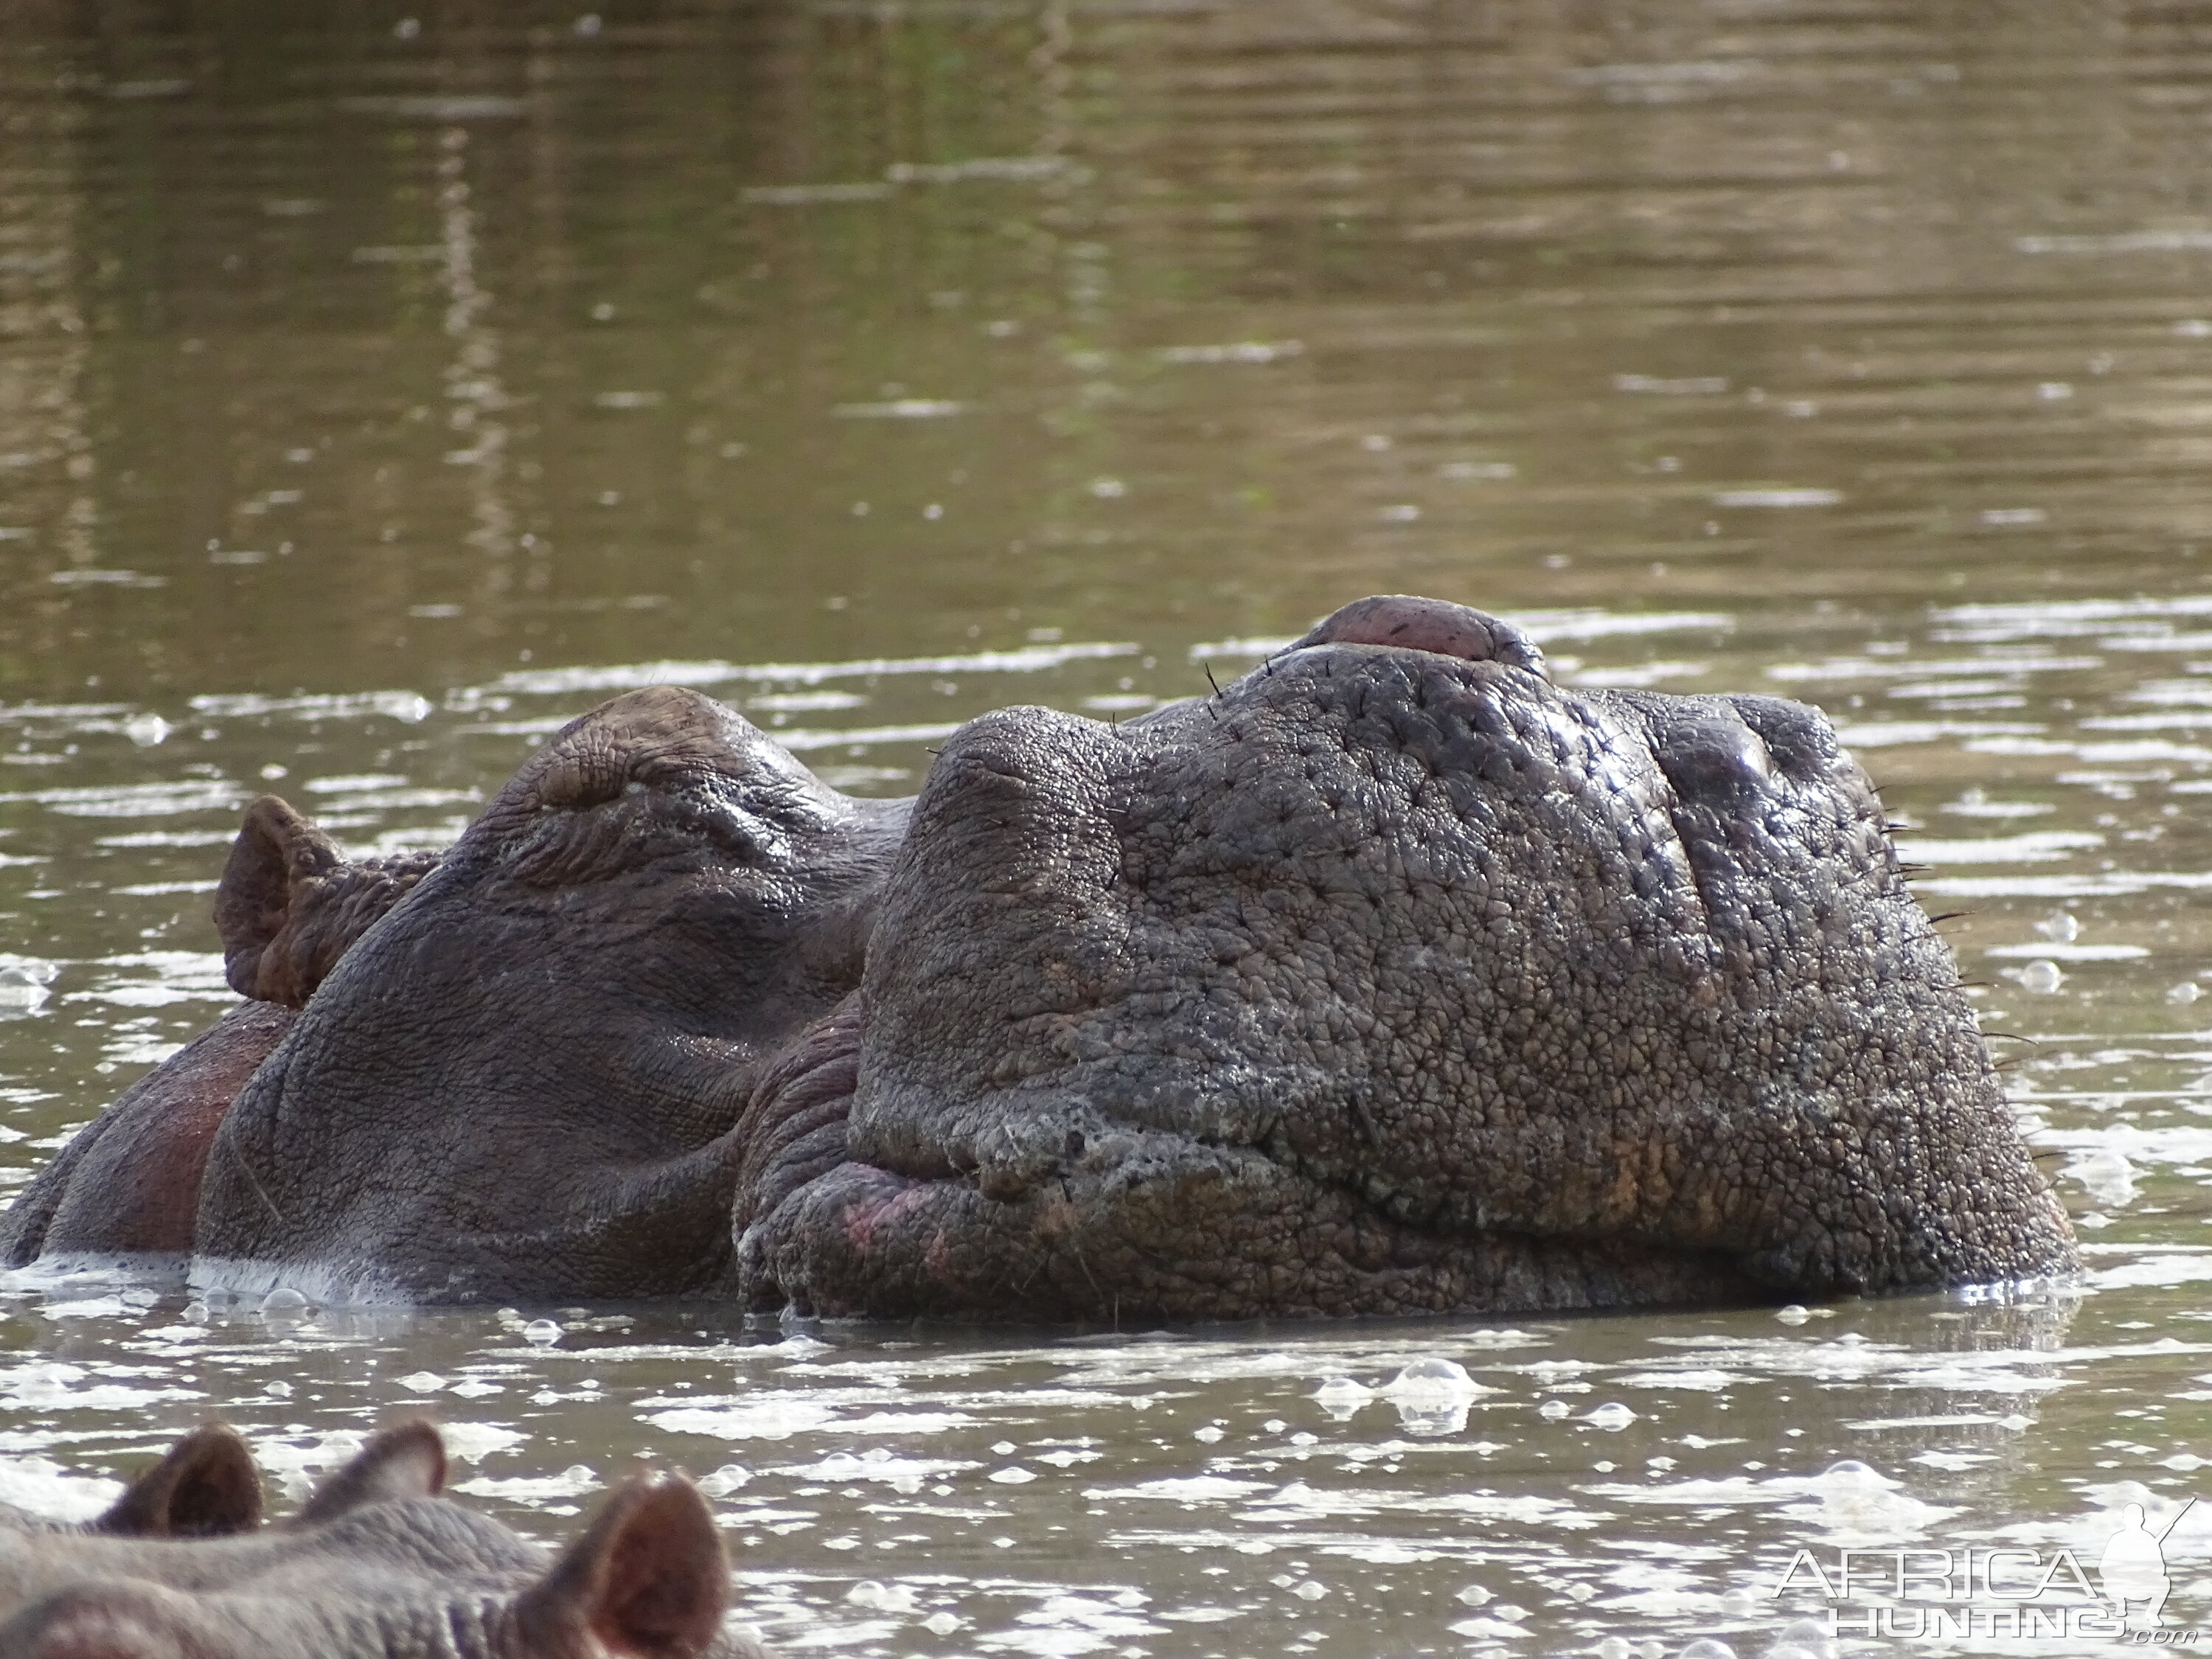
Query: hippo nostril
column 1713, row 756
column 1433, row 625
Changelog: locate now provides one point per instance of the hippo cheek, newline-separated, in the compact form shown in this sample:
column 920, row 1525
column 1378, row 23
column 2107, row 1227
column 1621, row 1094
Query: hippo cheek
column 129, row 1184
column 878, row 1211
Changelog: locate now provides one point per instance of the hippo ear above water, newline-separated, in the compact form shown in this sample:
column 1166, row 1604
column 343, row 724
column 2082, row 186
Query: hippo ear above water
column 648, row 1577
column 290, row 905
column 206, row 1485
column 407, row 1460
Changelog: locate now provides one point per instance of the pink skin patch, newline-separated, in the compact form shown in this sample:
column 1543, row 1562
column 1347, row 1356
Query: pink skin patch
column 865, row 1217
column 1431, row 625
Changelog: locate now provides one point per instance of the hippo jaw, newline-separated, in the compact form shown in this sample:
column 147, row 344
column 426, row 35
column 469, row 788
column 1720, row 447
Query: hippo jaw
column 1396, row 979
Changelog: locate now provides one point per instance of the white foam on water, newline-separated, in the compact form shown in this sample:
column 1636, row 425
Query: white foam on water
column 575, row 1481
column 1890, row 734
column 138, row 800
column 44, row 1487
column 2034, row 847
column 409, row 707
column 1027, row 660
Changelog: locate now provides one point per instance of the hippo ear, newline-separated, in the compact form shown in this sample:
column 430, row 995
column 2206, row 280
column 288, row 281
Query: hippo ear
column 288, row 905
column 206, row 1485
column 407, row 1460
column 277, row 852
column 648, row 1578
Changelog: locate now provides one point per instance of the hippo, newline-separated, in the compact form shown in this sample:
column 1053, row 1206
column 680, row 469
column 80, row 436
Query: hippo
column 206, row 1485
column 1394, row 977
column 378, row 1564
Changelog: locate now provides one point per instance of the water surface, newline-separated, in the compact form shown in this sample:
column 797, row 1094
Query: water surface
column 379, row 389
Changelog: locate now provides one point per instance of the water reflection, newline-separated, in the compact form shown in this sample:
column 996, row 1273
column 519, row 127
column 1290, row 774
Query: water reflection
column 377, row 391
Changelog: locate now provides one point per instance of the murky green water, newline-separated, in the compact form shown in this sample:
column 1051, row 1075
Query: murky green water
column 378, row 391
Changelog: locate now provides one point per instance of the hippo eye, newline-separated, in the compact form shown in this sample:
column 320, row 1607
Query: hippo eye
column 579, row 782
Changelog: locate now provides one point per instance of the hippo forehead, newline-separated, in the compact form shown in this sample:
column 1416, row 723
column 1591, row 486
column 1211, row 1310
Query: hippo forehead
column 664, row 740
column 1402, row 764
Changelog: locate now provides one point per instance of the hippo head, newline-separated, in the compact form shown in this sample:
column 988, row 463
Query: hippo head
column 1393, row 977
column 1396, row 978
column 512, row 1083
column 377, row 1565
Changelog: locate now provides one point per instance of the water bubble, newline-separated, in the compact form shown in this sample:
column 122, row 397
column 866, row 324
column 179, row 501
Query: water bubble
column 25, row 984
column 1432, row 1395
column 277, row 1390
column 1310, row 1591
column 283, row 1301
column 1808, row 1637
column 2188, row 991
column 195, row 1313
column 1014, row 1476
column 1475, row 1597
column 1705, row 1648
column 541, row 1332
column 725, row 1480
column 1341, row 1397
column 147, row 729
column 1003, row 1449
column 943, row 1624
column 1554, row 1409
column 1739, row 1604
column 1611, row 1416
column 1794, row 1313
column 1209, row 1434
column 421, row 1382
column 1803, row 1637
column 2060, row 927
column 886, row 1598
column 2043, row 976
column 1613, row 1647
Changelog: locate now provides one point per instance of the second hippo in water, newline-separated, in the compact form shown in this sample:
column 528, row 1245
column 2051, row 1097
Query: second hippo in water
column 375, row 1565
column 1393, row 978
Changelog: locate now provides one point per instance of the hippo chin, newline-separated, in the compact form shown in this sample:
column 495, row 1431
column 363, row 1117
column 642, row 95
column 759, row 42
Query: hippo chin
column 1393, row 978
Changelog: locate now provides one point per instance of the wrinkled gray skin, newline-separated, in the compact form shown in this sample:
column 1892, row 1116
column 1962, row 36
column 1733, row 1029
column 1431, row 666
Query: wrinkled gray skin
column 1394, row 978
column 520, row 1082
column 376, row 1565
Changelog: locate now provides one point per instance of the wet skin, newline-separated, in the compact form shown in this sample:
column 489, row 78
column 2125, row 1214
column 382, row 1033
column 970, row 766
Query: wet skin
column 1394, row 978
column 377, row 1565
